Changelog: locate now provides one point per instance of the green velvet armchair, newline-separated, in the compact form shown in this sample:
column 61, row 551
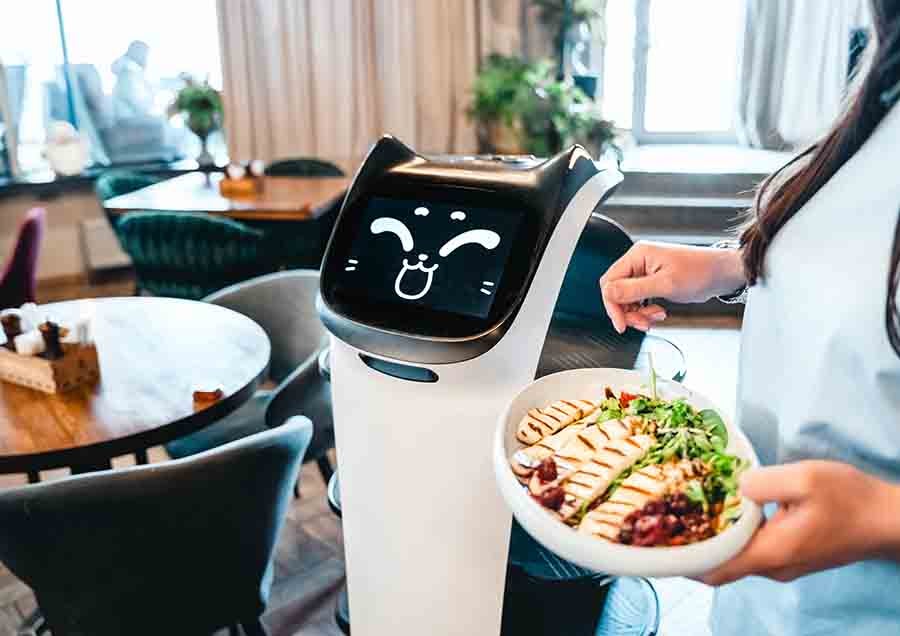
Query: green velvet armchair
column 116, row 182
column 188, row 255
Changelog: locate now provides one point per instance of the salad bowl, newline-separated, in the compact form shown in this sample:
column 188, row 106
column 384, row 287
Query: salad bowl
column 589, row 551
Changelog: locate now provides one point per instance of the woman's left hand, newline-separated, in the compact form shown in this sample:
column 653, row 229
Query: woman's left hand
column 829, row 514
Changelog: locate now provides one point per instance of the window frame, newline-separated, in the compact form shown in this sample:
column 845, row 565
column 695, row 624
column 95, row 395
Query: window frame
column 639, row 94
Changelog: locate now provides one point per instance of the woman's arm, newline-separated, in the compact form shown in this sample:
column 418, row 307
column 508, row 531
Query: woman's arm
column 659, row 270
column 829, row 514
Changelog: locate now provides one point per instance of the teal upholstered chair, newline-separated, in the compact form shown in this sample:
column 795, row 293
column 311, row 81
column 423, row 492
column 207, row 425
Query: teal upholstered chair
column 303, row 243
column 284, row 305
column 191, row 255
column 303, row 167
column 117, row 182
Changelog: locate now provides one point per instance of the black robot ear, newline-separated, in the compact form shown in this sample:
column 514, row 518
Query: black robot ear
column 389, row 151
column 560, row 177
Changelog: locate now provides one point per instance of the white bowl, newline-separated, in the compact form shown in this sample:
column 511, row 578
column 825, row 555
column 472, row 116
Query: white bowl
column 590, row 552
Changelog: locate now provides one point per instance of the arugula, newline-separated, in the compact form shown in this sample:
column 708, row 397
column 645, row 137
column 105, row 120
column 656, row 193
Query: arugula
column 682, row 432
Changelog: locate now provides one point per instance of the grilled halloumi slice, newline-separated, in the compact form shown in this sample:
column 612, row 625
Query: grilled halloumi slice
column 592, row 477
column 525, row 461
column 571, row 445
column 539, row 423
column 592, row 439
column 644, row 485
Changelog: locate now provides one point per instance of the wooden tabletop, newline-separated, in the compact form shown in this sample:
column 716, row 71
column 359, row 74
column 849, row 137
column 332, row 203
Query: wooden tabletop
column 154, row 352
column 281, row 198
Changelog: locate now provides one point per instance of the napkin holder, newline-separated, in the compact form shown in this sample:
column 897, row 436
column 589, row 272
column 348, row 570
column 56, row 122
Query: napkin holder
column 78, row 366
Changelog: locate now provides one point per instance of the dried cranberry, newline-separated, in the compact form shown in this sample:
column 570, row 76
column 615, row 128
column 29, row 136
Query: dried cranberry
column 546, row 470
column 679, row 504
column 673, row 524
column 626, row 536
column 654, row 508
column 552, row 498
column 647, row 524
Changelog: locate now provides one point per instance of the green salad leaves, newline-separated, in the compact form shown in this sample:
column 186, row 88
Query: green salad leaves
column 681, row 432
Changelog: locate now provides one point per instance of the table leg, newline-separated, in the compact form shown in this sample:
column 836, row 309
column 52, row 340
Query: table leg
column 93, row 467
column 33, row 476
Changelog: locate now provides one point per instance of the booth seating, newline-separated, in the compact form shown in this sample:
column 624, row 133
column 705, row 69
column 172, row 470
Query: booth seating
column 538, row 582
column 182, row 547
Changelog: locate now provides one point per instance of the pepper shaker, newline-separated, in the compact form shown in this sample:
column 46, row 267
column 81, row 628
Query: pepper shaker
column 52, row 346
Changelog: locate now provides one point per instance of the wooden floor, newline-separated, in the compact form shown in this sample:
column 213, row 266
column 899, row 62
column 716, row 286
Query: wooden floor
column 309, row 568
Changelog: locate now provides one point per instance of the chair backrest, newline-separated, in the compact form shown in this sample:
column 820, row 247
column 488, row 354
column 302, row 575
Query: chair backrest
column 284, row 305
column 601, row 244
column 17, row 282
column 303, row 167
column 183, row 547
column 112, row 183
column 191, row 255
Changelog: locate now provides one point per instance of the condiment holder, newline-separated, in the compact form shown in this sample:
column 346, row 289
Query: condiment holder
column 44, row 355
column 242, row 180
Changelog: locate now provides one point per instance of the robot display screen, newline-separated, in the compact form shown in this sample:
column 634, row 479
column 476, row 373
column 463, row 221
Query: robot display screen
column 435, row 256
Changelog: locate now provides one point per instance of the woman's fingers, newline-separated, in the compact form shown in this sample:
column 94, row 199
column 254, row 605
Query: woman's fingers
column 616, row 314
column 784, row 483
column 635, row 290
column 644, row 317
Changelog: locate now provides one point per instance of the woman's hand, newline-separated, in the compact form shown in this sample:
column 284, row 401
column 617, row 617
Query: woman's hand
column 829, row 514
column 679, row 273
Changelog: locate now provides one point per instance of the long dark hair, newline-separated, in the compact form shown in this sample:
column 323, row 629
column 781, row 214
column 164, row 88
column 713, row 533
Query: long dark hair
column 788, row 189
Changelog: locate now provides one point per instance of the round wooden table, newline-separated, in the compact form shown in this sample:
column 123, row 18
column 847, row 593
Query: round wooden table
column 154, row 353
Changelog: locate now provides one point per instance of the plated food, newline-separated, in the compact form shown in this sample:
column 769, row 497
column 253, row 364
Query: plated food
column 631, row 468
column 645, row 477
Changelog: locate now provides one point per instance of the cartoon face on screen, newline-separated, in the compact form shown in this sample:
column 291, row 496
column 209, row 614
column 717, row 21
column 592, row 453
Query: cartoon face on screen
column 440, row 256
column 410, row 290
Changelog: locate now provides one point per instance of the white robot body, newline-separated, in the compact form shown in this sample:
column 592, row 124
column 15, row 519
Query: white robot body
column 426, row 532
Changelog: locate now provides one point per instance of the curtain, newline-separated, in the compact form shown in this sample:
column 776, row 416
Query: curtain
column 327, row 78
column 793, row 68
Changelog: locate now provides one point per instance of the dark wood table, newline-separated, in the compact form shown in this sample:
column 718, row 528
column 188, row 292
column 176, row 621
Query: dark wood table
column 154, row 352
column 281, row 199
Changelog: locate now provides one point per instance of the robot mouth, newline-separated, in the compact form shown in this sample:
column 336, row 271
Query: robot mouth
column 424, row 284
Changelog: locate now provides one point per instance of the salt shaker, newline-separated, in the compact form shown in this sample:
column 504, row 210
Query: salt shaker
column 11, row 320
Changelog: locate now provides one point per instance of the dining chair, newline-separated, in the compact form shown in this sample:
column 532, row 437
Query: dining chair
column 188, row 255
column 181, row 547
column 18, row 280
column 113, row 183
column 303, row 243
column 303, row 167
column 284, row 305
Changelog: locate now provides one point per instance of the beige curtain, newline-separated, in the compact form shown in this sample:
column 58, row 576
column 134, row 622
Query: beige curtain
column 327, row 77
column 784, row 99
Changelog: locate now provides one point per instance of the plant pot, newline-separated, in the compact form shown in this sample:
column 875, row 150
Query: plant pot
column 504, row 139
column 205, row 158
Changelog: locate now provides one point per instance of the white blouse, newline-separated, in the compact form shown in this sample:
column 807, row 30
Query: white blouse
column 819, row 379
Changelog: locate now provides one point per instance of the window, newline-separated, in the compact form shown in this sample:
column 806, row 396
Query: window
column 109, row 68
column 670, row 69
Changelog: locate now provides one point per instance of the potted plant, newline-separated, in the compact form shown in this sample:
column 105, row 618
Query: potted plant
column 498, row 95
column 201, row 106
column 559, row 114
column 521, row 107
